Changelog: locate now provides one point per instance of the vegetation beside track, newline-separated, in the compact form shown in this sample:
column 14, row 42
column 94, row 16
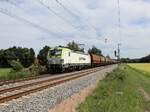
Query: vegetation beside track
column 119, row 92
column 4, row 71
column 18, row 71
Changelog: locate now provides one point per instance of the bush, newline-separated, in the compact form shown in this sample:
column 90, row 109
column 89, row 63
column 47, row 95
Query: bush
column 17, row 71
column 42, row 69
column 115, row 75
column 17, row 74
column 37, row 69
column 16, row 66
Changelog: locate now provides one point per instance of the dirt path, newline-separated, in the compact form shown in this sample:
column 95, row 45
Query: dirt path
column 146, row 96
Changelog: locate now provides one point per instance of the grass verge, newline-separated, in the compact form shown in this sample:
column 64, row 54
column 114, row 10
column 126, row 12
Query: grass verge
column 18, row 71
column 118, row 92
column 4, row 71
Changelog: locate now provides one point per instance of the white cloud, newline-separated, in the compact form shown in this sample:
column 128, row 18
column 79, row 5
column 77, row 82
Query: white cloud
column 85, row 21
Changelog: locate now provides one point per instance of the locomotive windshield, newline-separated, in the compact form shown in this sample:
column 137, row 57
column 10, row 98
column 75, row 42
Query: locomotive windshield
column 55, row 52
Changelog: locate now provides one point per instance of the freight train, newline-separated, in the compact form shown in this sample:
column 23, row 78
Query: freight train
column 62, row 59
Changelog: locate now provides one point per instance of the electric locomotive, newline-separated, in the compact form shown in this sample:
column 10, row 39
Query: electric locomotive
column 61, row 59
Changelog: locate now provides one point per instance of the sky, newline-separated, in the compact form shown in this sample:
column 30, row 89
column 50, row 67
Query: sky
column 36, row 23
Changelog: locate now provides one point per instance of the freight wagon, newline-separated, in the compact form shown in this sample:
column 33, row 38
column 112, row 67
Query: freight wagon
column 97, row 60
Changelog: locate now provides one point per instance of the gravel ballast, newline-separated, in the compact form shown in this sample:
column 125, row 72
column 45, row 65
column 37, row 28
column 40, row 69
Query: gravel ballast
column 42, row 101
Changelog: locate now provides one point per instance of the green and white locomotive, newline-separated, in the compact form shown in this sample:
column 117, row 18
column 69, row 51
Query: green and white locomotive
column 61, row 59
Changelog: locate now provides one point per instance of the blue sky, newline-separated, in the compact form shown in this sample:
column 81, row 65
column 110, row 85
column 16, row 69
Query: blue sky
column 85, row 21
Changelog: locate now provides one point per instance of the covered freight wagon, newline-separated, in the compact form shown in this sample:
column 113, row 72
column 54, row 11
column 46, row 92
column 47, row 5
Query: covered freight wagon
column 97, row 60
column 108, row 60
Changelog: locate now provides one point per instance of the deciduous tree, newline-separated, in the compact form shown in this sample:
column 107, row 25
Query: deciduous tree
column 42, row 56
column 95, row 50
column 74, row 46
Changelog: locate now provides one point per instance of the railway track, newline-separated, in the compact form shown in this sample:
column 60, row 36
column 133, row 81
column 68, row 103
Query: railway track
column 4, row 82
column 10, row 93
column 7, row 82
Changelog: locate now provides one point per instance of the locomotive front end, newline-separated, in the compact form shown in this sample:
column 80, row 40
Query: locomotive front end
column 55, row 61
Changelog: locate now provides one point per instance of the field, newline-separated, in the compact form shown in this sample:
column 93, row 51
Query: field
column 124, row 90
column 4, row 71
column 141, row 66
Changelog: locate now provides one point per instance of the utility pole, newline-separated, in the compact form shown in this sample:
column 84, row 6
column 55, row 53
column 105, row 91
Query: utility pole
column 106, row 41
column 117, row 54
column 119, row 51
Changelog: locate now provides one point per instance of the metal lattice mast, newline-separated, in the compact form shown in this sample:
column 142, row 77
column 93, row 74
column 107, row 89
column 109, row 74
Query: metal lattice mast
column 119, row 27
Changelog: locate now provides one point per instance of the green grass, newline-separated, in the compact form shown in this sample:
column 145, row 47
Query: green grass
column 141, row 66
column 143, row 76
column 8, row 74
column 12, row 74
column 119, row 92
column 4, row 71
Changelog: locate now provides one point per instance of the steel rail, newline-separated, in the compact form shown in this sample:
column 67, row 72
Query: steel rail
column 2, row 91
column 44, row 86
column 4, row 82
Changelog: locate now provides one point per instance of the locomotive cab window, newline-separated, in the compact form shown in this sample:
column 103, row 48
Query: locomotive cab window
column 69, row 54
column 55, row 52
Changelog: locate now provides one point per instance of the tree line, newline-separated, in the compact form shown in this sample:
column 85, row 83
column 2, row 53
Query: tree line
column 26, row 56
column 145, row 59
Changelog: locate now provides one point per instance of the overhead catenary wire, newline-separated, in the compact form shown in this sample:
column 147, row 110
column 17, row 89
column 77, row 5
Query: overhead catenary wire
column 6, row 12
column 77, row 11
column 13, row 3
column 39, row 27
column 90, row 25
column 52, row 11
column 70, row 12
column 9, row 1
column 64, row 7
column 40, row 1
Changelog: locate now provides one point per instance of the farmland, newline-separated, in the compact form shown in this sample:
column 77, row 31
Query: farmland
column 124, row 90
column 141, row 66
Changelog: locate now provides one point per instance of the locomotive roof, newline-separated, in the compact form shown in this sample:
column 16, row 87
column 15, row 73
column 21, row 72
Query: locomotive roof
column 66, row 48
